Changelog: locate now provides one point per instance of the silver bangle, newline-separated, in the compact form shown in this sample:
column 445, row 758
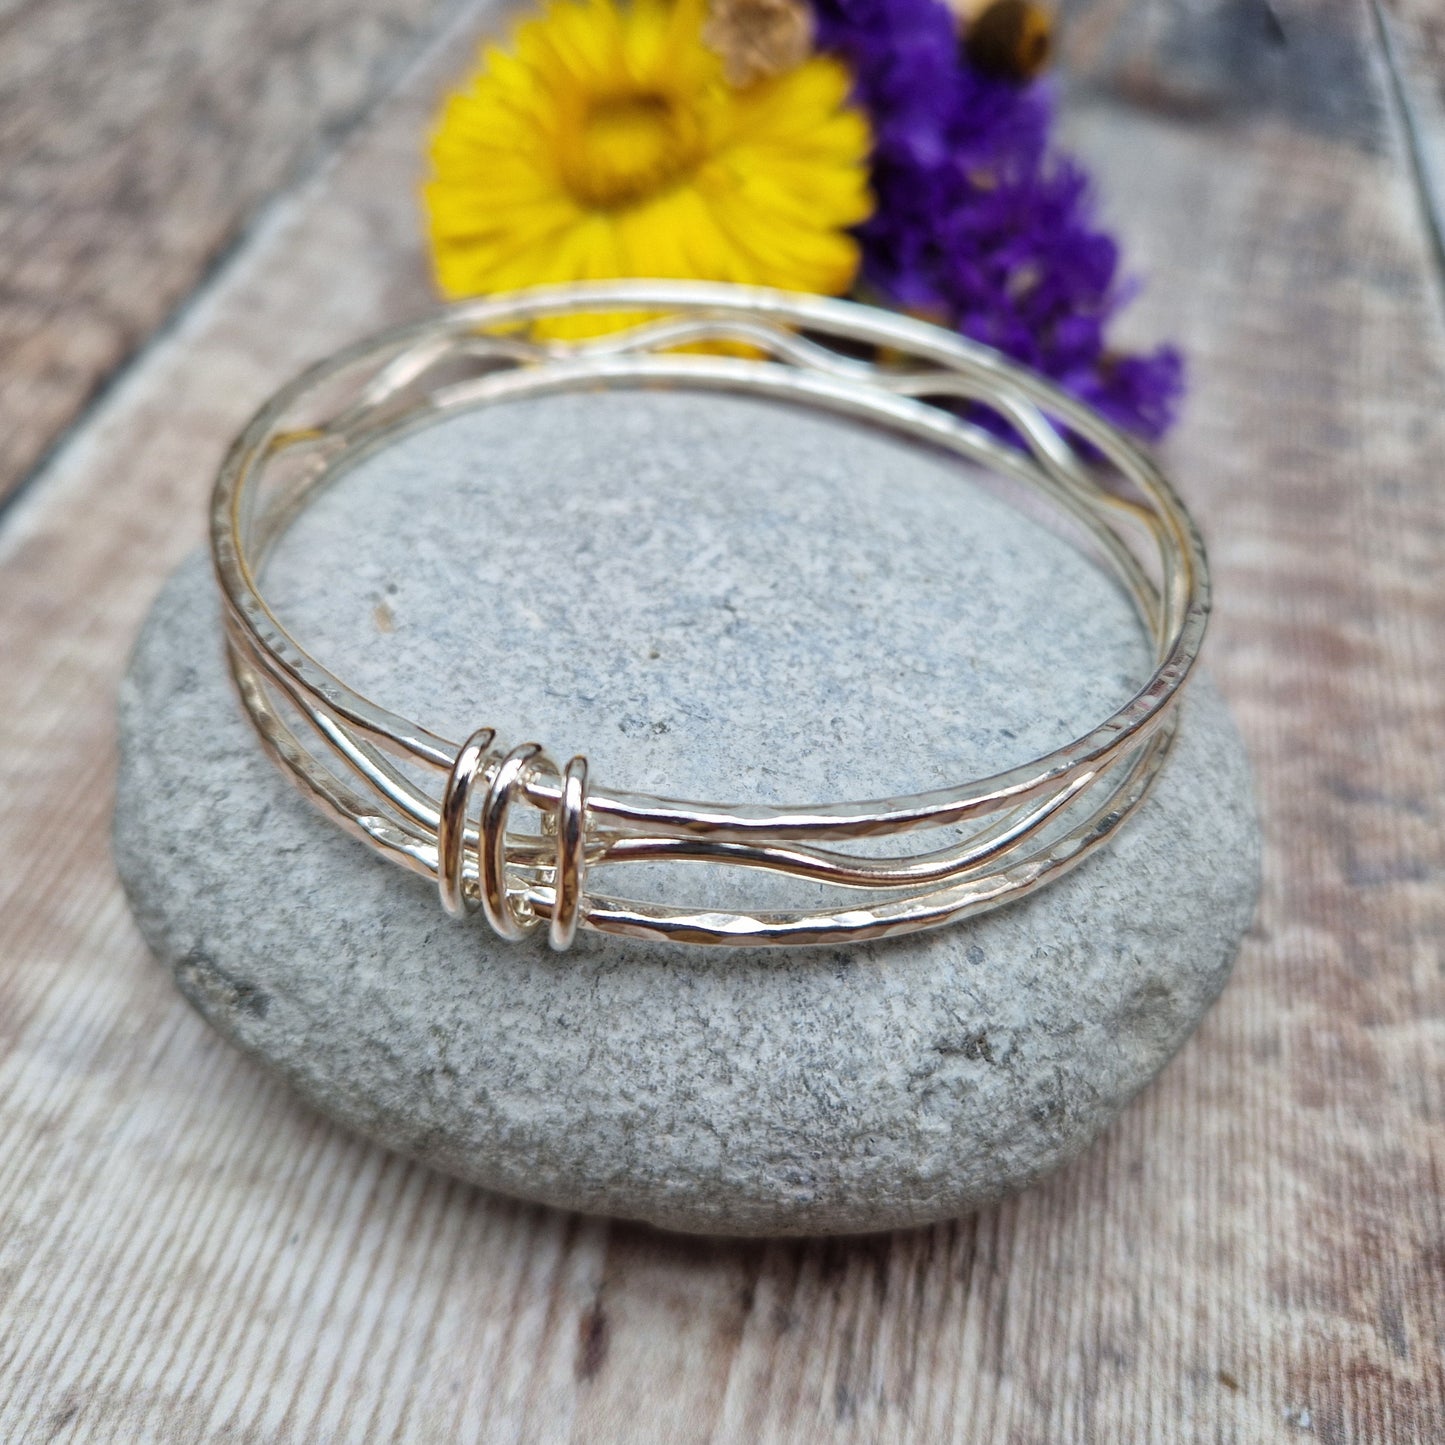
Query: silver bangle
column 447, row 811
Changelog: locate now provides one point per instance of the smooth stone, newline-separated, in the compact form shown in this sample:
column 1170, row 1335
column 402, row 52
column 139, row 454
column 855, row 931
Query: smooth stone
column 713, row 598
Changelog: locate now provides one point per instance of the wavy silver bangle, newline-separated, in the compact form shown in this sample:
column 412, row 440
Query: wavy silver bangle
column 448, row 811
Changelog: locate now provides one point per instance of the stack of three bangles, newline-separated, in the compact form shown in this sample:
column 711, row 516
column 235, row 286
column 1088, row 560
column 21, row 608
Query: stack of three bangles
column 450, row 811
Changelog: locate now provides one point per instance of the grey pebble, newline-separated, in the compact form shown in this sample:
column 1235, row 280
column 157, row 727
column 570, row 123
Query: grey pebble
column 713, row 598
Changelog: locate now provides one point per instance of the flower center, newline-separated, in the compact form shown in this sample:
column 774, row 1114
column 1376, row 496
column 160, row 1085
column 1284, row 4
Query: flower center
column 624, row 148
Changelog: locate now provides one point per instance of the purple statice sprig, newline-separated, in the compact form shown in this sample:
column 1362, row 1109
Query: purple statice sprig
column 978, row 224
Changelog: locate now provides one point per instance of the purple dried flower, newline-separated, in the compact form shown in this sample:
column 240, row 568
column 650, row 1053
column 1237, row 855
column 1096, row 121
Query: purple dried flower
column 977, row 225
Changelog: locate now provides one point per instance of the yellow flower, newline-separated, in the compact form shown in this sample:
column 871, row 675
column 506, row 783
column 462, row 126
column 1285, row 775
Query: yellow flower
column 606, row 143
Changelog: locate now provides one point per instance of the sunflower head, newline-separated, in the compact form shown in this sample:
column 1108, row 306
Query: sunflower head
column 604, row 141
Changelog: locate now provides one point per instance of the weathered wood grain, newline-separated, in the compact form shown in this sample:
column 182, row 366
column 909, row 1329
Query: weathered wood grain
column 136, row 139
column 1311, row 64
column 1256, row 1252
column 1412, row 34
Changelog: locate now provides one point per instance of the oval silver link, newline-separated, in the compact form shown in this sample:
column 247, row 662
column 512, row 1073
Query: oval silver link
column 569, row 875
column 473, row 758
column 497, row 903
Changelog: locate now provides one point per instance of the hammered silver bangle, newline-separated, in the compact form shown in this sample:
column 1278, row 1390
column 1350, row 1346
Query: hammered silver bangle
column 453, row 812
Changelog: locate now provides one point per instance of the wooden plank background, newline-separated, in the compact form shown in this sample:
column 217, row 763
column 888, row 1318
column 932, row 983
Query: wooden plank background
column 138, row 137
column 1255, row 1252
